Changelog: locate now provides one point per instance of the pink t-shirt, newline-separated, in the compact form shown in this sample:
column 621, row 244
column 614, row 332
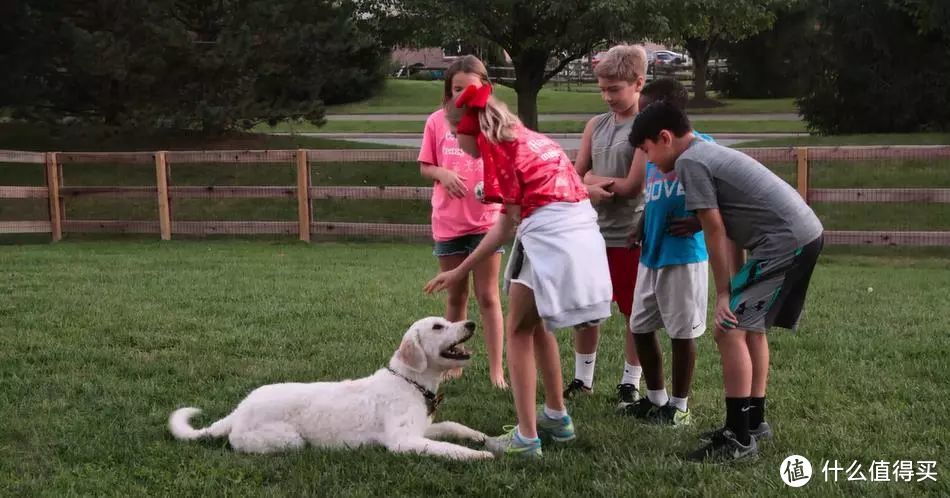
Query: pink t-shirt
column 451, row 217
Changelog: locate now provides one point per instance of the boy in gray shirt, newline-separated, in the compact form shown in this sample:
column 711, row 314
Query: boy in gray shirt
column 741, row 205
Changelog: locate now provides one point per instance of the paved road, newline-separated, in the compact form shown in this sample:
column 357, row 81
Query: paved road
column 573, row 117
column 567, row 140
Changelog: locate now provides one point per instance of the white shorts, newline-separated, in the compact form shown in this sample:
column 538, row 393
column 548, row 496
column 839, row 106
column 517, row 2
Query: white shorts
column 672, row 297
column 527, row 278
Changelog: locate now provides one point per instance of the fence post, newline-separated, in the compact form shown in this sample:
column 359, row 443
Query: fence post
column 161, row 177
column 303, row 195
column 802, row 176
column 52, row 190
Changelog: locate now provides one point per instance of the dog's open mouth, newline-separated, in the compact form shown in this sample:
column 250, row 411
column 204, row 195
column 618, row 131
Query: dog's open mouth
column 458, row 351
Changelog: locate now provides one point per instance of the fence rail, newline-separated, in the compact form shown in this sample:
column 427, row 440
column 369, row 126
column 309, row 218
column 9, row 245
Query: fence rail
column 305, row 226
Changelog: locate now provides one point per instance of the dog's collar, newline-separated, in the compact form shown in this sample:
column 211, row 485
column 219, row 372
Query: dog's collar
column 433, row 400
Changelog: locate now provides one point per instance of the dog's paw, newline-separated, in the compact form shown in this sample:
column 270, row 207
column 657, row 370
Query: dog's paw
column 484, row 455
column 479, row 437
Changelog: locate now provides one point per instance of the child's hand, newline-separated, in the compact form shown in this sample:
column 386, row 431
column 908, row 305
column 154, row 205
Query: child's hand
column 442, row 281
column 684, row 227
column 633, row 240
column 598, row 191
column 725, row 319
column 454, row 183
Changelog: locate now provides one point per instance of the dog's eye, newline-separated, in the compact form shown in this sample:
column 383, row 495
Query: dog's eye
column 438, row 326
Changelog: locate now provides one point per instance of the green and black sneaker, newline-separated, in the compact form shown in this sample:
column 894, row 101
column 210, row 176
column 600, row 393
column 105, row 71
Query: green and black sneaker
column 671, row 415
column 642, row 408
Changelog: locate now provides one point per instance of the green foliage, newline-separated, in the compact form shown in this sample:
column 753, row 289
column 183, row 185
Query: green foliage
column 541, row 36
column 768, row 64
column 186, row 63
column 879, row 67
column 700, row 25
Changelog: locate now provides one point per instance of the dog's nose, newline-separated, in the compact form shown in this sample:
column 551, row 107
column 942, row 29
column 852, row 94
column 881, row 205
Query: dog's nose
column 470, row 326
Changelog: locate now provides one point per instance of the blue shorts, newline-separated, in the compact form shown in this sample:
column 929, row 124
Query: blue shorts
column 463, row 245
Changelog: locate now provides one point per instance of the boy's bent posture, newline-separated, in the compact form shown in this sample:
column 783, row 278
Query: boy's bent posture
column 741, row 205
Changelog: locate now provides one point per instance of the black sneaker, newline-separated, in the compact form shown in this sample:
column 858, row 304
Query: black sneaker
column 627, row 394
column 643, row 409
column 761, row 433
column 575, row 388
column 724, row 448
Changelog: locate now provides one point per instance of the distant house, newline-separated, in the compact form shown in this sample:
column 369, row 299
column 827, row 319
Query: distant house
column 435, row 57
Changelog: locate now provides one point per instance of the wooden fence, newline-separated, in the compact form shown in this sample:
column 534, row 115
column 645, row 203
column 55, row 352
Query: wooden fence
column 306, row 226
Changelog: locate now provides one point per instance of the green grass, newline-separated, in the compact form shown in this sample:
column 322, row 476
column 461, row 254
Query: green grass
column 559, row 126
column 103, row 340
column 870, row 139
column 423, row 97
column 20, row 136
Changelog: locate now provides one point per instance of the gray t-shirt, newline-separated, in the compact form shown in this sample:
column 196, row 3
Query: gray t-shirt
column 761, row 212
column 611, row 155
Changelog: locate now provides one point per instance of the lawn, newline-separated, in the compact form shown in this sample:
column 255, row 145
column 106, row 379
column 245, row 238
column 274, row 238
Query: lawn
column 422, row 97
column 557, row 126
column 837, row 140
column 20, row 136
column 103, row 340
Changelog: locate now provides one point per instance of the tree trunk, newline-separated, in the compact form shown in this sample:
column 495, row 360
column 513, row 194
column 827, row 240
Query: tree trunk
column 699, row 51
column 528, row 107
column 529, row 78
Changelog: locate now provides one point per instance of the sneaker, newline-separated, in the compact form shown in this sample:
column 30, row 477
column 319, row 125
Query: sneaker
column 642, row 408
column 575, row 388
column 724, row 448
column 561, row 430
column 761, row 433
column 671, row 415
column 627, row 394
column 511, row 443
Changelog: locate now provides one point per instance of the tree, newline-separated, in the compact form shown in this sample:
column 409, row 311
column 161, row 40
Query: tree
column 768, row 64
column 878, row 67
column 540, row 36
column 211, row 65
column 702, row 24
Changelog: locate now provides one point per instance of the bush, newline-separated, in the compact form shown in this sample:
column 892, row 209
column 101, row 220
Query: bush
column 767, row 65
column 877, row 67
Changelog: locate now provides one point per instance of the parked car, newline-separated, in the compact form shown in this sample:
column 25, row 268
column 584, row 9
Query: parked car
column 662, row 57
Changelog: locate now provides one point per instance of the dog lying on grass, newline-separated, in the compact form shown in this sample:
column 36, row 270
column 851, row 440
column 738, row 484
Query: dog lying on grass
column 392, row 408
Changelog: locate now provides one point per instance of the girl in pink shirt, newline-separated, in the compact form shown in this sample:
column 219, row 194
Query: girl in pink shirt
column 459, row 218
column 557, row 275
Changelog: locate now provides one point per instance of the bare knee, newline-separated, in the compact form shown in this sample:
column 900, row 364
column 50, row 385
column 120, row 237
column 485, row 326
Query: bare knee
column 458, row 297
column 487, row 299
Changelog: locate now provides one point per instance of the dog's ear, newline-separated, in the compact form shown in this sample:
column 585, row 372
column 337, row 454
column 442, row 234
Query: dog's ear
column 411, row 353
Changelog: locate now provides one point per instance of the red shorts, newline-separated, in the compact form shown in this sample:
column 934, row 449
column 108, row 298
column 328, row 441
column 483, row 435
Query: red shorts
column 623, row 263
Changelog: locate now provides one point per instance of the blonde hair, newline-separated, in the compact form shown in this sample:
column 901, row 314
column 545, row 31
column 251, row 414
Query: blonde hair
column 465, row 64
column 623, row 63
column 497, row 123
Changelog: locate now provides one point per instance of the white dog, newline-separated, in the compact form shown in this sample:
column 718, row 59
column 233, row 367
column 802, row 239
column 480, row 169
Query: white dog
column 392, row 407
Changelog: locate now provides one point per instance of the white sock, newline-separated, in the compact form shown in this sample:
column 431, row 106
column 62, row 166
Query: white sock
column 584, row 367
column 658, row 397
column 631, row 374
column 522, row 438
column 679, row 403
column 554, row 414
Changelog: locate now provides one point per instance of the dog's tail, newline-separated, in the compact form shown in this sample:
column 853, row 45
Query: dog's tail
column 181, row 429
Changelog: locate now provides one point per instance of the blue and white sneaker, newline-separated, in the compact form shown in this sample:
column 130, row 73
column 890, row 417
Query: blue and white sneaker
column 511, row 443
column 560, row 430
